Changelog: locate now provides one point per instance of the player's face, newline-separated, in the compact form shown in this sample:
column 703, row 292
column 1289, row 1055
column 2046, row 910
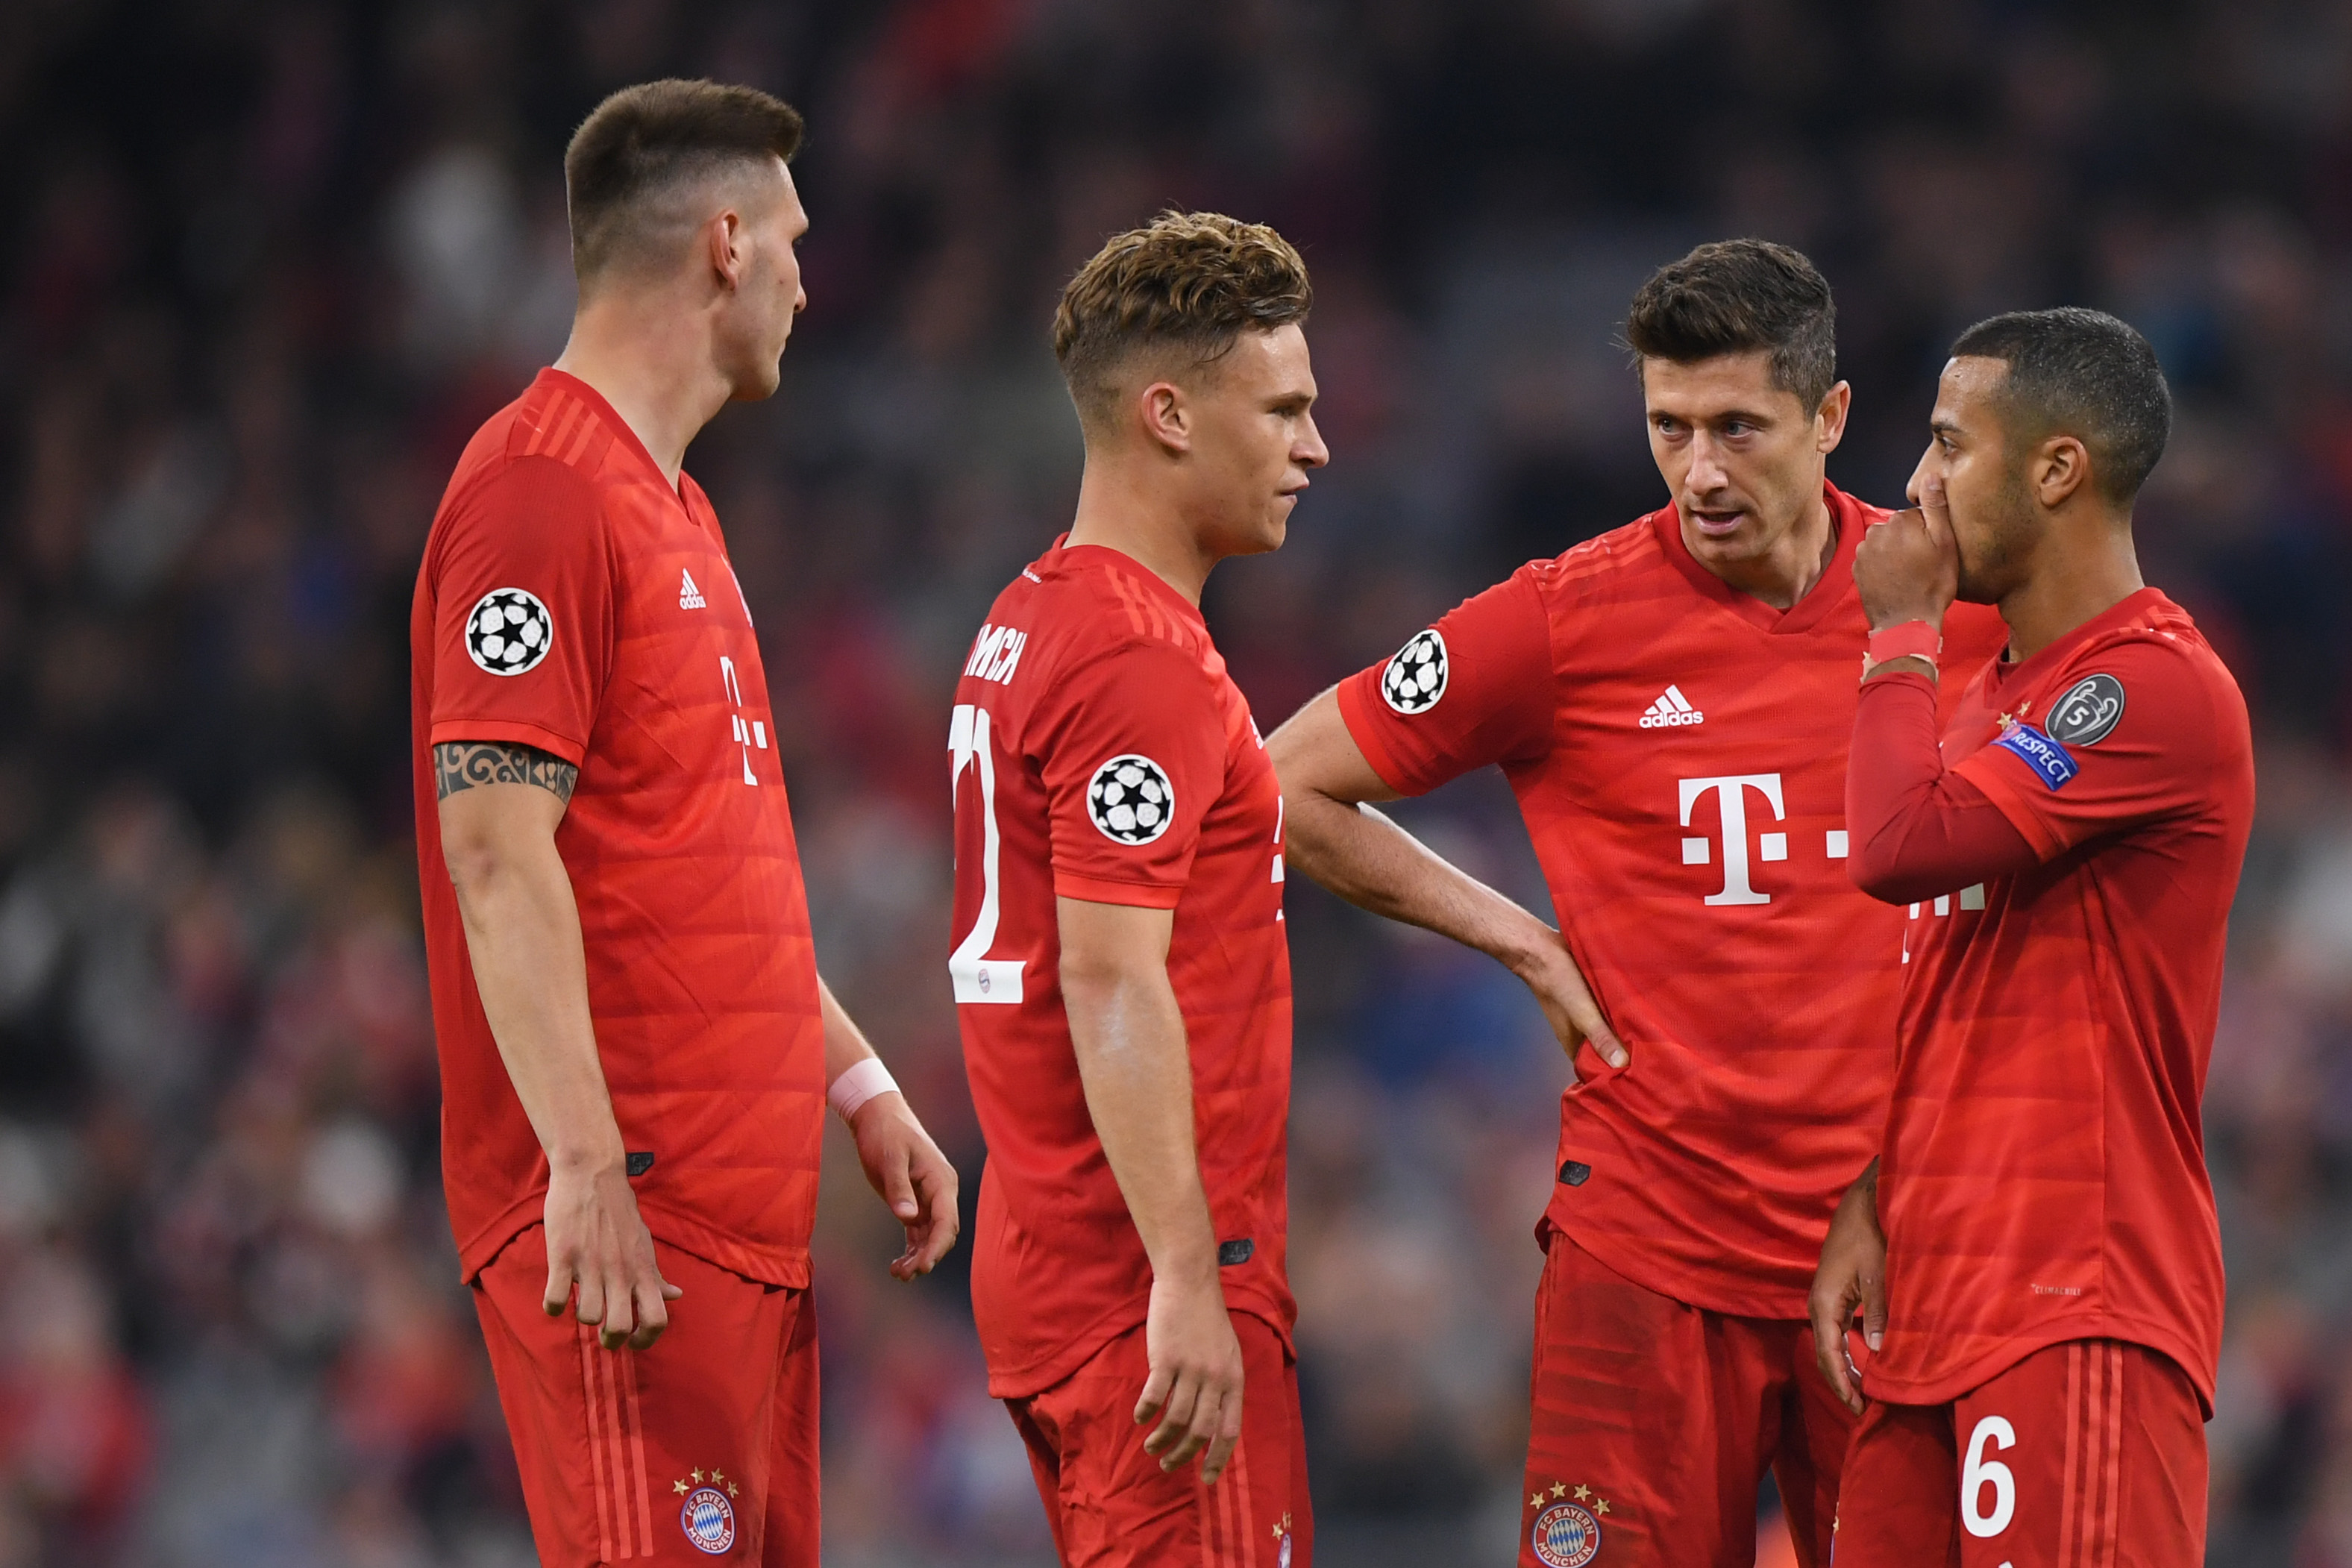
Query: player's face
column 1969, row 456
column 769, row 295
column 1253, row 439
column 1742, row 457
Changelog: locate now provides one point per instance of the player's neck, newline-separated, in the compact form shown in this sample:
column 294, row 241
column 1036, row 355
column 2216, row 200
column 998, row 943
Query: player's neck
column 1121, row 510
column 654, row 369
column 1785, row 572
column 2069, row 585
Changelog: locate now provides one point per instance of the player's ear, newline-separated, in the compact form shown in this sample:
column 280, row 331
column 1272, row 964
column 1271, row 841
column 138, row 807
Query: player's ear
column 724, row 237
column 2061, row 466
column 1829, row 419
column 1166, row 416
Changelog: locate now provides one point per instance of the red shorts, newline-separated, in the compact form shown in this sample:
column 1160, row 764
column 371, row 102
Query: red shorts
column 1111, row 1505
column 2089, row 1454
column 702, row 1449
column 1653, row 1423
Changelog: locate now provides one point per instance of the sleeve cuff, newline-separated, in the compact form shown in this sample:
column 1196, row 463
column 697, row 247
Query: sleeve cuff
column 1364, row 730
column 448, row 729
column 1990, row 777
column 1136, row 895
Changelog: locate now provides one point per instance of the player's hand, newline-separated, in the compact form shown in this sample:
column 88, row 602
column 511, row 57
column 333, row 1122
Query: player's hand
column 1195, row 1387
column 912, row 1176
column 1908, row 567
column 598, row 1242
column 1567, row 1003
column 1853, row 1274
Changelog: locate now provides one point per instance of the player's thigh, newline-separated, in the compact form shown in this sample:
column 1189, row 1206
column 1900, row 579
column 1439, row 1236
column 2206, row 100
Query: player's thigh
column 655, row 1456
column 1113, row 1506
column 1647, row 1429
column 1808, row 1460
column 1897, row 1503
column 794, row 1487
column 2090, row 1452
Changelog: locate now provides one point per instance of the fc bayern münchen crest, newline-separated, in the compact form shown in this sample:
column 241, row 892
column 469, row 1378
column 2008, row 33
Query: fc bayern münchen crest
column 509, row 631
column 1566, row 1536
column 1415, row 678
column 708, row 1520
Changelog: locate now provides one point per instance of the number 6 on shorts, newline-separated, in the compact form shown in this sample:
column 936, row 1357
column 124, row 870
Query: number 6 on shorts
column 1977, row 1472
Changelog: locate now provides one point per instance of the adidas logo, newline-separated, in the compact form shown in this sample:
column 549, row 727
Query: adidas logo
column 689, row 597
column 1670, row 711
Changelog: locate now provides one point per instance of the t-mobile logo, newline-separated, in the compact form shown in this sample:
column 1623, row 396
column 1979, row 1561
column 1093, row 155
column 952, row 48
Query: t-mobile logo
column 1731, row 797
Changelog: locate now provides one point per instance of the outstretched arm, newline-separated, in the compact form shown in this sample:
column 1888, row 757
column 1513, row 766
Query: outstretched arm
column 1331, row 833
column 500, row 804
column 1137, row 1070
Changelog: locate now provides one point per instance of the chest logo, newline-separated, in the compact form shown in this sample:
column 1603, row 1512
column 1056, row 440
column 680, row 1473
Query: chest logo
column 689, row 597
column 509, row 631
column 1131, row 800
column 1671, row 711
column 1415, row 678
column 2089, row 712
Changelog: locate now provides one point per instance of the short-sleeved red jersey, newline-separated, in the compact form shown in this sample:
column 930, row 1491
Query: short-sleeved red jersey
column 1678, row 751
column 2044, row 1178
column 1102, row 752
column 571, row 601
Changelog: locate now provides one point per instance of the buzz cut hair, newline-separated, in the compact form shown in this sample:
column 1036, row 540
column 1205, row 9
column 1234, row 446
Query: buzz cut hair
column 2084, row 373
column 644, row 148
column 1736, row 297
column 1177, row 293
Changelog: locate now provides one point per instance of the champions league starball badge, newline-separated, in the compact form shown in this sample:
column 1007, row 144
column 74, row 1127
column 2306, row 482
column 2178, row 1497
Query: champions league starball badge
column 708, row 1520
column 509, row 631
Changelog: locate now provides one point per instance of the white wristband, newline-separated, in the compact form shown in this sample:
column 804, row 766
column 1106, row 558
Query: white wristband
column 859, row 1082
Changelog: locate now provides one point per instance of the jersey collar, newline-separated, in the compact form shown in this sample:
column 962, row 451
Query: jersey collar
column 550, row 376
column 2140, row 604
column 1067, row 556
column 1835, row 589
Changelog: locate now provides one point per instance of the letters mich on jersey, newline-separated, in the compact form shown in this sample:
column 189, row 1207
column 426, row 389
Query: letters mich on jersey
column 1100, row 753
column 1678, row 750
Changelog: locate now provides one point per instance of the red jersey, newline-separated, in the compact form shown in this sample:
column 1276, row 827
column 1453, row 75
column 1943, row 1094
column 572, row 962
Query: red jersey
column 1678, row 752
column 572, row 601
column 1102, row 752
column 2044, row 1178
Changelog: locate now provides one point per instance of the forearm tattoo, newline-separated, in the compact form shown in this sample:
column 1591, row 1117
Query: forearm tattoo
column 464, row 764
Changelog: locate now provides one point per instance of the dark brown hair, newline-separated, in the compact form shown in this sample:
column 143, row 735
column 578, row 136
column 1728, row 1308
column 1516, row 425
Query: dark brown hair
column 1187, row 282
column 647, row 141
column 1739, row 296
column 2084, row 374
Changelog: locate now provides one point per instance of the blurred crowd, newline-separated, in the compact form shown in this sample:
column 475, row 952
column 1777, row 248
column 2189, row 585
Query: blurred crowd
column 267, row 262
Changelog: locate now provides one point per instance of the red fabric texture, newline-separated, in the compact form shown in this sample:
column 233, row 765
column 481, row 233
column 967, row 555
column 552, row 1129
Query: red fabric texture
column 614, row 1447
column 2043, row 1177
column 1659, row 1421
column 2100, row 1450
column 1111, row 1505
column 1917, row 830
column 1090, row 670
column 678, row 838
column 1678, row 751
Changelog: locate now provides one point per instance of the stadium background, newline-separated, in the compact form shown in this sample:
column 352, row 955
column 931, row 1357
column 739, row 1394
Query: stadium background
column 266, row 266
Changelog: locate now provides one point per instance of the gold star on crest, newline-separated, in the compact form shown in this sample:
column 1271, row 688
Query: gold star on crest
column 730, row 1488
column 717, row 1477
column 1560, row 1488
column 1600, row 1507
column 698, row 1477
column 1582, row 1493
column 678, row 1486
column 1535, row 1501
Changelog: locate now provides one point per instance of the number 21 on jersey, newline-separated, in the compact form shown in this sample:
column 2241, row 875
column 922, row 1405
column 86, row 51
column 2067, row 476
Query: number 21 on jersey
column 978, row 978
